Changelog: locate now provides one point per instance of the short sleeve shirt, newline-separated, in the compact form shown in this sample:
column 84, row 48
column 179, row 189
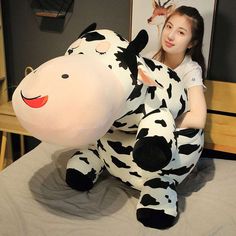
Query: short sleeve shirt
column 190, row 73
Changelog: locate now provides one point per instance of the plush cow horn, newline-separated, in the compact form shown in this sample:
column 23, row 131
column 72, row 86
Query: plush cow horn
column 91, row 27
column 139, row 43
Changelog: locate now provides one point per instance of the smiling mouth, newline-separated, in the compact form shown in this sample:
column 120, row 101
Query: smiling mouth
column 35, row 102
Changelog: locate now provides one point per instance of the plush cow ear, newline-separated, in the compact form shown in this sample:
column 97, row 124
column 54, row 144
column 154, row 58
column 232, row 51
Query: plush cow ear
column 146, row 77
column 91, row 27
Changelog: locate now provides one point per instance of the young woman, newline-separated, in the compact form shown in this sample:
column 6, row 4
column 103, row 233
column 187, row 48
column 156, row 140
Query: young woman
column 181, row 50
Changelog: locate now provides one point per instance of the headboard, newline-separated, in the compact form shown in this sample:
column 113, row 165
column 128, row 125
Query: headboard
column 220, row 130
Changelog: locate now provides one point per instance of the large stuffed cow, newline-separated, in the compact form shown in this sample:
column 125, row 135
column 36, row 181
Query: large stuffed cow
column 119, row 109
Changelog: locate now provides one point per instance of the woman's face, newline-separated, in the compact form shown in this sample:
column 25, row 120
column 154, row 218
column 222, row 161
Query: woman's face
column 176, row 35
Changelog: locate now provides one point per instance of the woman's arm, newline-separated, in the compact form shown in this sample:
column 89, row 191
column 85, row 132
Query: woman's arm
column 196, row 116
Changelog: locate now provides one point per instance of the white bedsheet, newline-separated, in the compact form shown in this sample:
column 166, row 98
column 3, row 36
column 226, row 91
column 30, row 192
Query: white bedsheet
column 35, row 200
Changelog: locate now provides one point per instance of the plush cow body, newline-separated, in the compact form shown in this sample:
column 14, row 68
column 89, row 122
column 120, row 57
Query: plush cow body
column 120, row 109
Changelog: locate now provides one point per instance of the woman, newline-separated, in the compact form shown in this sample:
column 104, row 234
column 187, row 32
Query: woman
column 181, row 50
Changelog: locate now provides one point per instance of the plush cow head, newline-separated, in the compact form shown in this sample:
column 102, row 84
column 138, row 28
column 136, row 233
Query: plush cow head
column 74, row 99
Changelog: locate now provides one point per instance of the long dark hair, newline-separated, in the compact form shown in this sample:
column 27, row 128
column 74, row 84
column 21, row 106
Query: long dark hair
column 197, row 36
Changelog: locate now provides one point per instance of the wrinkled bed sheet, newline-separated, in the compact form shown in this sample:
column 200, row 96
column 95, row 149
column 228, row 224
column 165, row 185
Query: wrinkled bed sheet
column 35, row 200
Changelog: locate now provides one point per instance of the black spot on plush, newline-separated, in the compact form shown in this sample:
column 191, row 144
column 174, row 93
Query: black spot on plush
column 119, row 163
column 118, row 148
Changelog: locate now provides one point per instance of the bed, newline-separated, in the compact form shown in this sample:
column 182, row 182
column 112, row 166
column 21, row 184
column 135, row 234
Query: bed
column 35, row 200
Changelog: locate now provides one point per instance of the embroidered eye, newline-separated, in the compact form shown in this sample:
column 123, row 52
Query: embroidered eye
column 65, row 76
column 103, row 47
column 101, row 53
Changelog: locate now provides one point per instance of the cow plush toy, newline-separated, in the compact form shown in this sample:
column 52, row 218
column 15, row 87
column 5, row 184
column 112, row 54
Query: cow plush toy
column 119, row 109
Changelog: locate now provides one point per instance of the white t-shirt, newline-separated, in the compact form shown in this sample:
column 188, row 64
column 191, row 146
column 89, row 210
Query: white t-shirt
column 190, row 72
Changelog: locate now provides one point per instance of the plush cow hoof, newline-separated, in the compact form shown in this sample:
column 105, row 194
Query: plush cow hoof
column 155, row 218
column 152, row 153
column 78, row 181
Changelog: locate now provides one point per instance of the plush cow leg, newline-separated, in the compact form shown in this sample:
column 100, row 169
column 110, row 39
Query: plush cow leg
column 157, row 207
column 83, row 169
column 156, row 144
column 190, row 144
